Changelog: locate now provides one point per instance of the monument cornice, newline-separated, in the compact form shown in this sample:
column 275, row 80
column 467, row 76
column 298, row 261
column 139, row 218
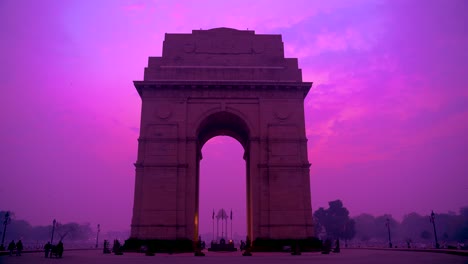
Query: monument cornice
column 146, row 165
column 222, row 84
column 161, row 225
column 288, row 225
column 284, row 165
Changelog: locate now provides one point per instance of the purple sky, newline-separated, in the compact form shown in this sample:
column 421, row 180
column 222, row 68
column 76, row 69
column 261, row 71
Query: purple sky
column 387, row 117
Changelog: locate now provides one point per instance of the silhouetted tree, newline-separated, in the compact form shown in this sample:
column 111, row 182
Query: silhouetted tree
column 449, row 227
column 365, row 227
column 426, row 235
column 381, row 227
column 350, row 231
column 461, row 230
column 318, row 228
column 73, row 231
column 334, row 219
column 446, row 226
column 20, row 229
column 464, row 212
column 412, row 226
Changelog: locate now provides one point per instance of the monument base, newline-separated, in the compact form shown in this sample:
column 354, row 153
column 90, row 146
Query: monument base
column 158, row 245
column 222, row 247
column 277, row 245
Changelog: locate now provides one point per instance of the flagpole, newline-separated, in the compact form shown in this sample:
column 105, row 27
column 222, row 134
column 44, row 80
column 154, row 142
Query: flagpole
column 212, row 220
column 226, row 228
column 231, row 227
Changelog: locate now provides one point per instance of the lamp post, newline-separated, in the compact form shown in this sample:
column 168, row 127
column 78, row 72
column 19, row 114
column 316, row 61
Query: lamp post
column 433, row 225
column 97, row 236
column 389, row 236
column 5, row 223
column 212, row 219
column 53, row 229
column 217, row 228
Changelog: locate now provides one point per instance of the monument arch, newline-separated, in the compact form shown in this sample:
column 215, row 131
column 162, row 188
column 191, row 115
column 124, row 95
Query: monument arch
column 221, row 82
column 222, row 123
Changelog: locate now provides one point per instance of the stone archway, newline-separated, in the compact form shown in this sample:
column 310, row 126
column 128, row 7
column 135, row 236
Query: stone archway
column 221, row 82
column 222, row 123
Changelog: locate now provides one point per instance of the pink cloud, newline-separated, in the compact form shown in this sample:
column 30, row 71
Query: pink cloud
column 131, row 8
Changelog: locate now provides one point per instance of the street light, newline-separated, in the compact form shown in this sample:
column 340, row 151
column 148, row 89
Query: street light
column 53, row 229
column 389, row 237
column 97, row 236
column 5, row 223
column 433, row 225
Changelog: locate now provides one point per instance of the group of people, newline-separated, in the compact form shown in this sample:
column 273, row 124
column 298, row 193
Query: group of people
column 53, row 250
column 18, row 246
column 49, row 249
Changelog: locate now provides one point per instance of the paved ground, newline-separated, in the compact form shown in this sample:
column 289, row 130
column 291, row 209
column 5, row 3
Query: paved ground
column 348, row 256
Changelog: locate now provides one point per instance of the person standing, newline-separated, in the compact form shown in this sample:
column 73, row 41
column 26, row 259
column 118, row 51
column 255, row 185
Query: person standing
column 19, row 248
column 11, row 247
column 47, row 249
column 337, row 246
column 326, row 247
column 60, row 249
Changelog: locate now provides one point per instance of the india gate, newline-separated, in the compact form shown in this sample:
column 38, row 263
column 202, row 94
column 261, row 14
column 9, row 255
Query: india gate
column 216, row 82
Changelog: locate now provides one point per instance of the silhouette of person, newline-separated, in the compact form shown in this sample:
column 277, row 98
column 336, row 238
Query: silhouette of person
column 247, row 247
column 116, row 247
column 198, row 251
column 106, row 249
column 297, row 249
column 47, row 249
column 199, row 243
column 60, row 249
column 326, row 247
column 19, row 248
column 337, row 246
column 11, row 247
column 247, row 243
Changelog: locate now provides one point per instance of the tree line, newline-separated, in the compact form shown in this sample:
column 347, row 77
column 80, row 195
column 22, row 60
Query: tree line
column 414, row 230
column 332, row 223
column 21, row 229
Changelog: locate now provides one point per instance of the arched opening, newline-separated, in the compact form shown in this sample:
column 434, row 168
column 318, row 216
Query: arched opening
column 227, row 136
column 222, row 185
